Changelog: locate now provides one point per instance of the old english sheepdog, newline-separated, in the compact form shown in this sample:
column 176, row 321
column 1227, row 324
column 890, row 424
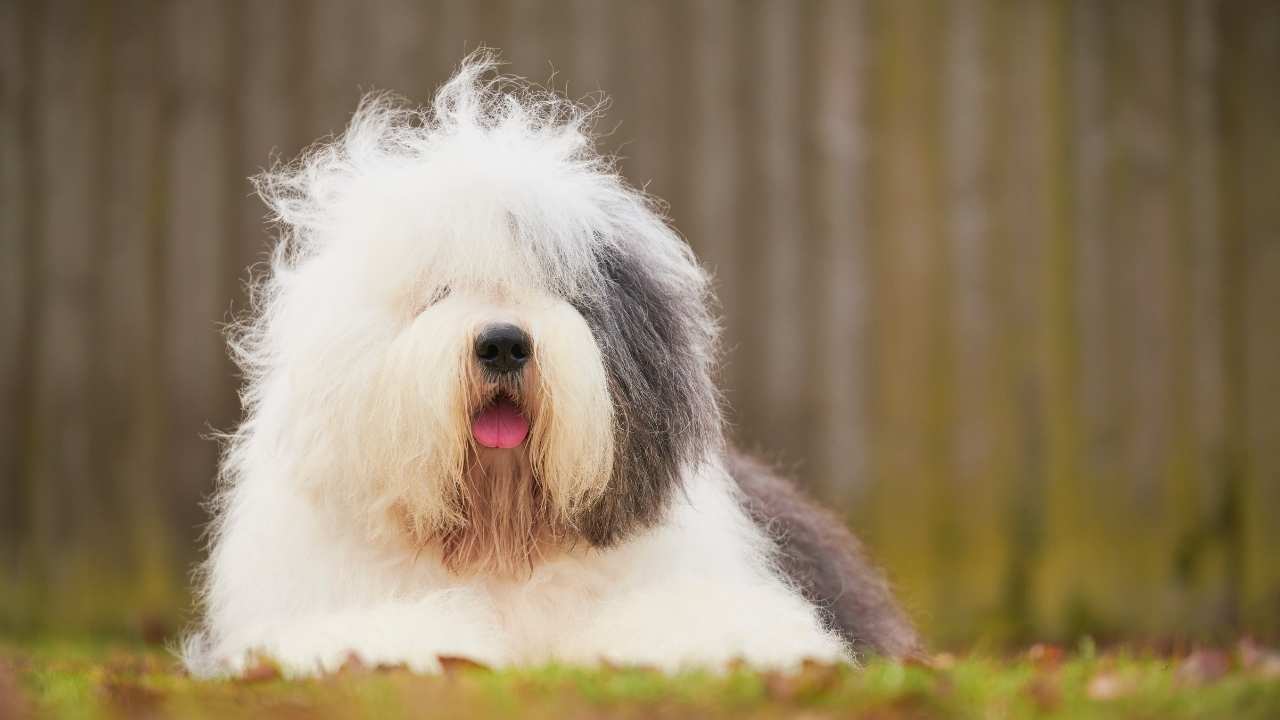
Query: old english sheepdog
column 480, row 421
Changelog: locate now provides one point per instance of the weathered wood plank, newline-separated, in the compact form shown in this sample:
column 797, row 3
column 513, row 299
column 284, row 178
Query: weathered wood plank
column 1148, row 138
column 1016, row 244
column 1201, row 139
column 396, row 49
column 748, row 333
column 60, row 473
column 198, row 242
column 131, row 304
column 540, row 43
column 1057, row 336
column 489, row 25
column 1091, row 147
column 839, row 386
column 714, row 165
column 270, row 92
column 1139, row 243
column 1251, row 273
column 967, row 102
column 14, row 249
column 639, row 93
column 452, row 36
column 336, row 71
column 785, row 243
column 1192, row 371
column 911, row 331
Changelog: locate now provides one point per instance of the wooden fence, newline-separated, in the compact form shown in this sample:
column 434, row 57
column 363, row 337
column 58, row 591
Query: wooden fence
column 1000, row 278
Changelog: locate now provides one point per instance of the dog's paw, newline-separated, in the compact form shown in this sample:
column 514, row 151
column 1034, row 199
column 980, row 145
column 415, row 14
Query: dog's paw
column 414, row 635
column 682, row 626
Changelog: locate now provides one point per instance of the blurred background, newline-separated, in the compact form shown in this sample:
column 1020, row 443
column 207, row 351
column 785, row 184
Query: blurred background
column 1000, row 278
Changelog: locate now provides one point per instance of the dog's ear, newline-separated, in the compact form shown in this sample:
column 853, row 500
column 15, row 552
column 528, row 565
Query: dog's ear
column 657, row 337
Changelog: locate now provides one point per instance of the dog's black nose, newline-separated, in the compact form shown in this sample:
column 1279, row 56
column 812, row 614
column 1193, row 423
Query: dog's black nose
column 503, row 348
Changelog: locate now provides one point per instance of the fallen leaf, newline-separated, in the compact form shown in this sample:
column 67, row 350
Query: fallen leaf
column 779, row 686
column 941, row 661
column 452, row 664
column 261, row 669
column 131, row 699
column 1046, row 656
column 13, row 703
column 1249, row 652
column 811, row 679
column 1109, row 686
column 130, row 663
column 1204, row 666
column 1258, row 659
column 353, row 665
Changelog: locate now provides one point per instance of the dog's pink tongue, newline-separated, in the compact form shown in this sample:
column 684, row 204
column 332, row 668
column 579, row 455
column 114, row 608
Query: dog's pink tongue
column 500, row 425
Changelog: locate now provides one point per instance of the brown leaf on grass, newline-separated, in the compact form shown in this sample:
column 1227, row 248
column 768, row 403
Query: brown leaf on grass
column 1109, row 686
column 1258, row 659
column 780, row 686
column 453, row 664
column 1249, row 652
column 261, row 669
column 131, row 699
column 941, row 661
column 810, row 680
column 1045, row 656
column 13, row 703
column 121, row 662
column 1204, row 666
column 353, row 665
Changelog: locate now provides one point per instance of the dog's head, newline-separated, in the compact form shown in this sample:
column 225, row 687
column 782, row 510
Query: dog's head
column 473, row 334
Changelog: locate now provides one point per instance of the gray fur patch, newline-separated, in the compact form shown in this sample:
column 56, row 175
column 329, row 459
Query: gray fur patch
column 819, row 555
column 658, row 340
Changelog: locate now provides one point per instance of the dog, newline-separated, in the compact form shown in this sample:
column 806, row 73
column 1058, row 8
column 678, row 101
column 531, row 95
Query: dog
column 480, row 421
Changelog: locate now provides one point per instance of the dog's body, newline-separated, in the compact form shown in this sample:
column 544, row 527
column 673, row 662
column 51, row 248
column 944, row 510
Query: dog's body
column 481, row 422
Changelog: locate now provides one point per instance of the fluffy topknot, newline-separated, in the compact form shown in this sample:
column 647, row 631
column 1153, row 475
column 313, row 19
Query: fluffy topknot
column 478, row 112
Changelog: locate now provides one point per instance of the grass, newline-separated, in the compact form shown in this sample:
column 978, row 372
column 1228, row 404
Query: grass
column 70, row 680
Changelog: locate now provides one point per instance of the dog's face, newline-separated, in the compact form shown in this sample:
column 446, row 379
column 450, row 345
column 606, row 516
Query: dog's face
column 475, row 337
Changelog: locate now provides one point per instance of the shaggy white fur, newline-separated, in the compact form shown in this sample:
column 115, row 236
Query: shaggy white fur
column 695, row 591
column 400, row 241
